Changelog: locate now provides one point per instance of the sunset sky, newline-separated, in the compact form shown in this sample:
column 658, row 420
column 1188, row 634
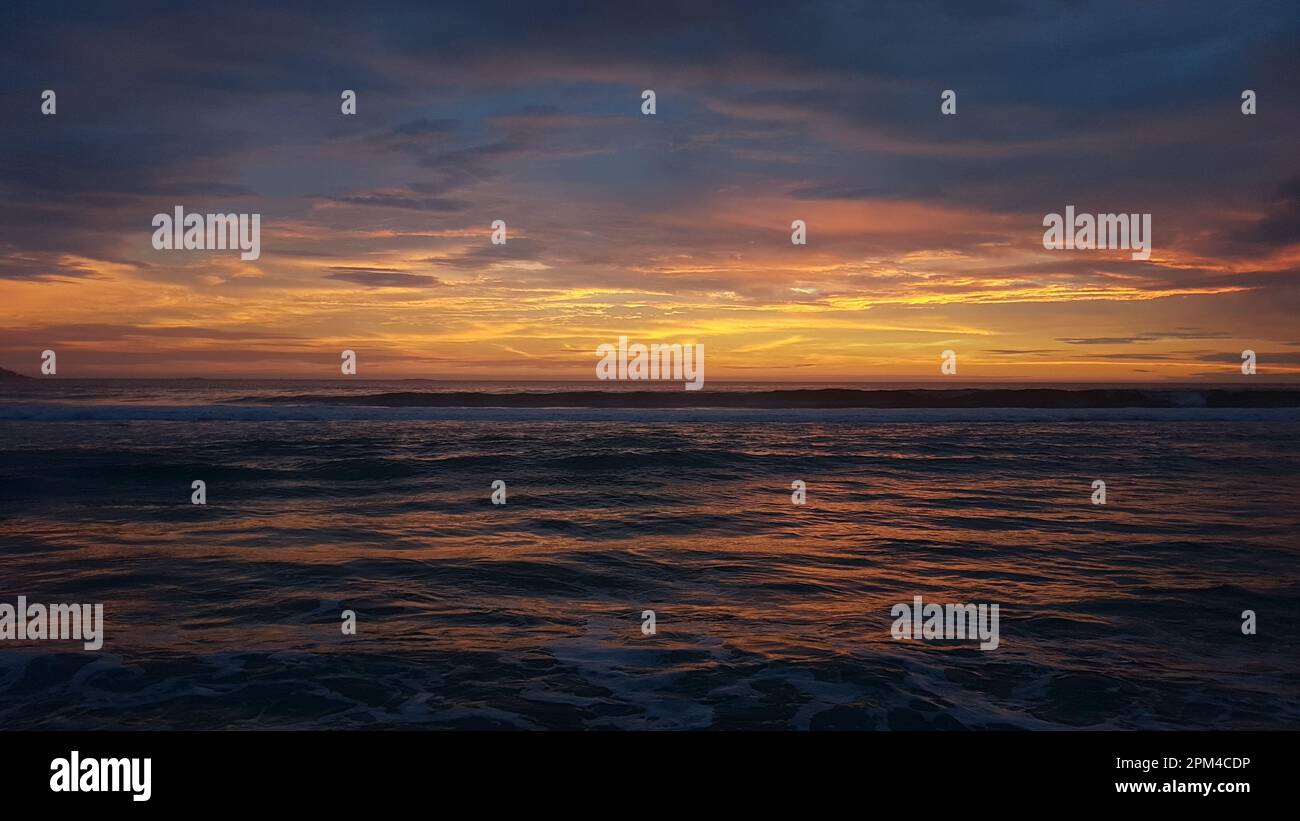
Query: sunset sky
column 924, row 231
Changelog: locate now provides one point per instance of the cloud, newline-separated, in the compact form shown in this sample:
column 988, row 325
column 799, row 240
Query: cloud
column 826, row 112
column 382, row 277
column 39, row 266
column 1265, row 358
column 1281, row 225
column 398, row 200
column 1132, row 357
column 1150, row 336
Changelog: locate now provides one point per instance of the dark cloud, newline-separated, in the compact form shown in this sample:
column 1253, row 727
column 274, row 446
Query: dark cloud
column 516, row 249
column 412, row 203
column 38, row 267
column 1282, row 224
column 835, row 191
column 103, row 332
column 1099, row 340
column 1262, row 358
column 1132, row 357
column 382, row 278
column 1151, row 336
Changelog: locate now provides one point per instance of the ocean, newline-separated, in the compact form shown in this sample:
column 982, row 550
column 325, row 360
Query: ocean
column 376, row 498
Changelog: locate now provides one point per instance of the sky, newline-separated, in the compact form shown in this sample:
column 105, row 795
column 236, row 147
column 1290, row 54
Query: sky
column 924, row 230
